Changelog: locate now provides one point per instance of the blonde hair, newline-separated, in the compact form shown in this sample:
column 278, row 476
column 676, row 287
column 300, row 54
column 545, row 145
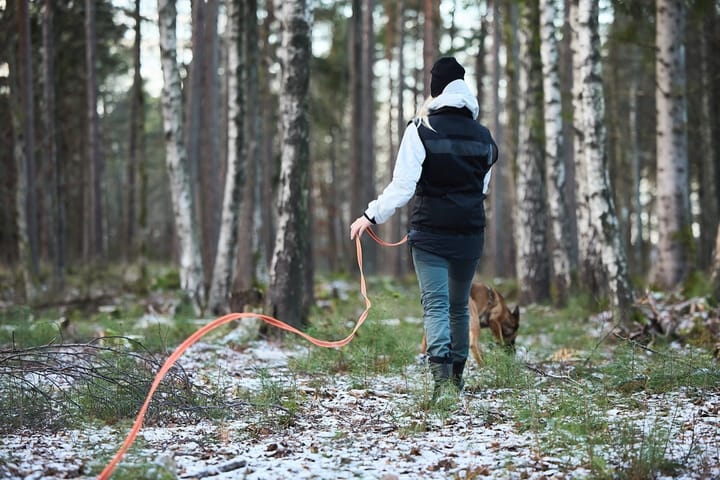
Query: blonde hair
column 424, row 112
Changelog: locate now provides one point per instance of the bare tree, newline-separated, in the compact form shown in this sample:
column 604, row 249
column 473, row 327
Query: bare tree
column 209, row 165
column 191, row 271
column 54, row 193
column 362, row 61
column 715, row 270
column 225, row 260
column 429, row 43
column 137, row 133
column 249, row 234
column 502, row 176
column 673, row 198
column 554, row 159
column 290, row 294
column 530, row 216
column 94, row 142
column 708, row 169
column 602, row 257
column 18, row 100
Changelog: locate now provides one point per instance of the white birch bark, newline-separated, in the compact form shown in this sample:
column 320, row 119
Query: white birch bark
column 581, row 195
column 289, row 291
column 530, row 218
column 602, row 254
column 715, row 271
column 191, row 272
column 227, row 249
column 554, row 164
column 673, row 199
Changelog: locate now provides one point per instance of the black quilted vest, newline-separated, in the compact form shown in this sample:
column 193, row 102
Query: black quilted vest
column 459, row 152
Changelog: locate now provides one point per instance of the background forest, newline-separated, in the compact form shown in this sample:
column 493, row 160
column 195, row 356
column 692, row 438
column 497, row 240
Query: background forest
column 163, row 162
column 236, row 140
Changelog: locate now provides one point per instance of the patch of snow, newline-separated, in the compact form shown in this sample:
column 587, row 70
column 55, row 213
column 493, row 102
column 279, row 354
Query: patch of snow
column 342, row 431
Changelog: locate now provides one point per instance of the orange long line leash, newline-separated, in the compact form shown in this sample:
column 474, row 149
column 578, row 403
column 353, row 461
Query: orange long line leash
column 107, row 471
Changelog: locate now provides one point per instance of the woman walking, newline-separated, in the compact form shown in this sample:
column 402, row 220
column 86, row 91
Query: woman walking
column 444, row 160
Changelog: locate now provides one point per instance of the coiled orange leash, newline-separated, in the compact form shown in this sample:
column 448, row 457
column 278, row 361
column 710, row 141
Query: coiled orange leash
column 107, row 471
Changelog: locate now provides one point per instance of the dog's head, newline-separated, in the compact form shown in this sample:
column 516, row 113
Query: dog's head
column 508, row 328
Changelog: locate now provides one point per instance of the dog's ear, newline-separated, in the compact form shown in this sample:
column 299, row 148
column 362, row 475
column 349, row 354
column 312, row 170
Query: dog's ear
column 516, row 313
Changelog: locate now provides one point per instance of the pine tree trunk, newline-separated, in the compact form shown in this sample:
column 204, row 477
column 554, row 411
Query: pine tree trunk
column 708, row 168
column 367, row 129
column 398, row 226
column 251, row 221
column 509, row 148
column 673, row 199
column 137, row 131
column 500, row 191
column 191, row 271
column 636, row 164
column 94, row 142
column 601, row 251
column 51, row 158
column 530, row 218
column 20, row 148
column 357, row 167
column 208, row 162
column 428, row 43
column 566, row 82
column 25, row 157
column 554, row 155
column 290, row 294
column 193, row 100
column 227, row 248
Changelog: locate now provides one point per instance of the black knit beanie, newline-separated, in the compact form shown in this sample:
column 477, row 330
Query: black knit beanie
column 443, row 72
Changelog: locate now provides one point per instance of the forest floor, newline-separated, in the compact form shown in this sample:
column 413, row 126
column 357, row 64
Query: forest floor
column 544, row 414
column 339, row 431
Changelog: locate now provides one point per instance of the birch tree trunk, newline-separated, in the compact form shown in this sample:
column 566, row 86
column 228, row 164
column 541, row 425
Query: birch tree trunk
column 554, row 155
column 227, row 248
column 602, row 256
column 94, row 144
column 54, row 192
column 673, row 199
column 290, row 295
column 191, row 271
column 530, row 217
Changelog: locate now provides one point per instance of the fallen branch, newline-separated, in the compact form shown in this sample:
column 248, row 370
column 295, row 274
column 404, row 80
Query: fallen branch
column 542, row 372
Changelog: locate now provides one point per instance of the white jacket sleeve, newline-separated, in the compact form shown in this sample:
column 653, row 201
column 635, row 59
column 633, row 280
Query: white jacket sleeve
column 408, row 168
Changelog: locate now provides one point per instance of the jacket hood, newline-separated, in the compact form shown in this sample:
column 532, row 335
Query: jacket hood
column 456, row 94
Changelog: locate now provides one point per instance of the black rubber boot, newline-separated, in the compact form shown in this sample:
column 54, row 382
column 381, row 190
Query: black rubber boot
column 442, row 377
column 457, row 375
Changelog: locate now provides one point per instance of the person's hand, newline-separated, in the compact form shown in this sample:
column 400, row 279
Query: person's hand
column 359, row 226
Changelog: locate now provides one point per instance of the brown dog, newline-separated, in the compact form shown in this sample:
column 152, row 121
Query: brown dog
column 488, row 310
